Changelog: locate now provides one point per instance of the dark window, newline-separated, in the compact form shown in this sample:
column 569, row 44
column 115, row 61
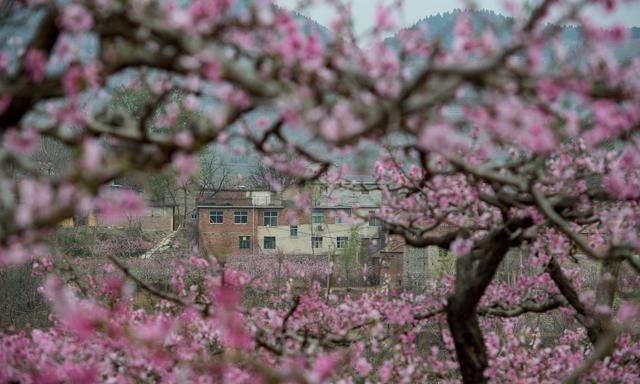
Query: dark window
column 241, row 217
column 293, row 231
column 341, row 242
column 270, row 218
column 245, row 242
column 216, row 217
column 269, row 242
column 317, row 218
column 316, row 242
column 374, row 221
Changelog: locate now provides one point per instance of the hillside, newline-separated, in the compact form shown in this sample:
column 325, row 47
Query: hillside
column 441, row 26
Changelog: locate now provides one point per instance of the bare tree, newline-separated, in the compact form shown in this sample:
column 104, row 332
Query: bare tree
column 263, row 176
column 212, row 175
column 52, row 156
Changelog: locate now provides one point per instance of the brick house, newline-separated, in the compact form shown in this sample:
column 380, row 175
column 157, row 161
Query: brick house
column 244, row 221
column 387, row 265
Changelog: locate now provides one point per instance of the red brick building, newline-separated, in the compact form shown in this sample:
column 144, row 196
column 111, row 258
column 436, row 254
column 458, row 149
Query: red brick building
column 244, row 221
column 228, row 220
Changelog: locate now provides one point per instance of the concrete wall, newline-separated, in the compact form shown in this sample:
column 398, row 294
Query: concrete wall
column 390, row 268
column 157, row 223
column 154, row 219
column 302, row 242
column 422, row 264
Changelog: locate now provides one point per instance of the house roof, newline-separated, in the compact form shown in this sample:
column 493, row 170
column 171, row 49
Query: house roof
column 239, row 206
column 395, row 245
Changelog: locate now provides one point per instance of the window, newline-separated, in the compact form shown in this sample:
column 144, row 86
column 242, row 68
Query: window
column 241, row 217
column 269, row 242
column 293, row 231
column 316, row 242
column 245, row 242
column 341, row 242
column 317, row 218
column 341, row 217
column 270, row 218
column 157, row 211
column 239, row 159
column 374, row 221
column 216, row 217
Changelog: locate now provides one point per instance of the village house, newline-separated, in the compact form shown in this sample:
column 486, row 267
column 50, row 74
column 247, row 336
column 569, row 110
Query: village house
column 157, row 217
column 246, row 221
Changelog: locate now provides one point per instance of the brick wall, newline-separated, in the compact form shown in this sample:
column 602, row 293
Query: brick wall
column 222, row 240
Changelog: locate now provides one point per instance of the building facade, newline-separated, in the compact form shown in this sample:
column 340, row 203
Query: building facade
column 241, row 221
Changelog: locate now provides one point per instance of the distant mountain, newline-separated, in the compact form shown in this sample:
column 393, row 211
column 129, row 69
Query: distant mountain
column 441, row 26
column 438, row 26
column 311, row 26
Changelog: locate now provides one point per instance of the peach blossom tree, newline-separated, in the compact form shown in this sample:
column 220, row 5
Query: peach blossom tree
column 491, row 143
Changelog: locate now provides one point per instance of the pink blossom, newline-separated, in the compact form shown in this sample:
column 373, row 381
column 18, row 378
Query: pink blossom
column 154, row 330
column 184, row 139
column 460, row 138
column 303, row 199
column 5, row 102
column 362, row 366
column 35, row 62
column 628, row 314
column 548, row 89
column 199, row 262
column 386, row 371
column 116, row 206
column 92, row 156
column 618, row 186
column 441, row 138
column 539, row 138
column 78, row 78
column 191, row 102
column 383, row 19
column 617, row 33
column 233, row 331
column 68, row 114
column 211, row 69
column 185, row 164
column 22, row 142
column 461, row 247
column 324, row 366
column 76, row 18
column 36, row 200
column 109, row 268
column 4, row 62
column 608, row 5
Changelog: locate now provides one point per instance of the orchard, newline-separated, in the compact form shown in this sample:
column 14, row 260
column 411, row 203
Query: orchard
column 513, row 141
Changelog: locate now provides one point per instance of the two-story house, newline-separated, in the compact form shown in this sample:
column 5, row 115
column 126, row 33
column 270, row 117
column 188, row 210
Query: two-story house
column 244, row 221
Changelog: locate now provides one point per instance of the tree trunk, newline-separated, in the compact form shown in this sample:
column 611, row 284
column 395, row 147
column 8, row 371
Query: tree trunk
column 474, row 272
column 184, row 197
column 594, row 323
column 467, row 336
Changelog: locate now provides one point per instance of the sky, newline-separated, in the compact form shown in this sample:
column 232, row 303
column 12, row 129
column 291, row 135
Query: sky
column 414, row 10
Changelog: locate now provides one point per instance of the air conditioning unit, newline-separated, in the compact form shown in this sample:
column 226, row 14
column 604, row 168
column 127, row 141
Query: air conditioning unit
column 319, row 228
